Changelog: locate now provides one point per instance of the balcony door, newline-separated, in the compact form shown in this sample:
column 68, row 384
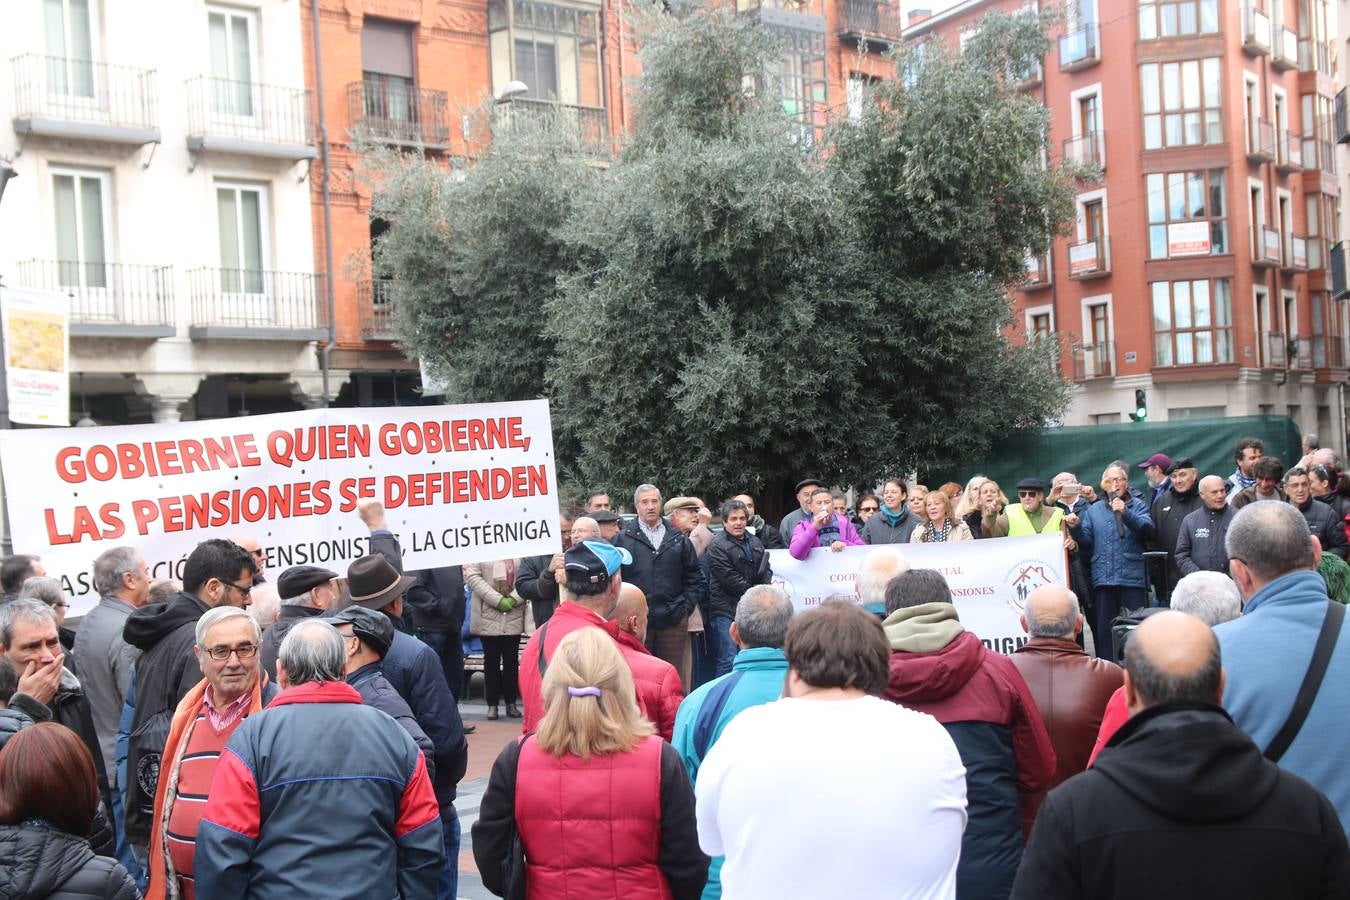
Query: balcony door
column 1088, row 128
column 235, row 95
column 1098, row 358
column 71, row 81
column 388, row 74
column 241, row 212
column 83, row 242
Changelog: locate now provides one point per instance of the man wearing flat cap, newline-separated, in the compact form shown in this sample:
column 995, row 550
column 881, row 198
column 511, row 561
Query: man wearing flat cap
column 366, row 635
column 690, row 516
column 805, row 488
column 306, row 592
column 415, row 672
column 1030, row 515
column 1169, row 510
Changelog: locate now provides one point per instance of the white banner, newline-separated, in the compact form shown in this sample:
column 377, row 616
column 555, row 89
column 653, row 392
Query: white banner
column 990, row 579
column 459, row 484
column 37, row 355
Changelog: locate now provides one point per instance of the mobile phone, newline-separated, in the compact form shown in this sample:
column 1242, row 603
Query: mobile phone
column 1073, row 489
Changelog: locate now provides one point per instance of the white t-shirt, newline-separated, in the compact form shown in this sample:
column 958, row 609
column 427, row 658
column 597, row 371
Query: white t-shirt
column 793, row 796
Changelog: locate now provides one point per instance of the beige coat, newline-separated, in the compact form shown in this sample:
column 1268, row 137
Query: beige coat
column 487, row 585
column 960, row 532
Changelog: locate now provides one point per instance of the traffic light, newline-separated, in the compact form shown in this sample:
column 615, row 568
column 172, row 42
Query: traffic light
column 1140, row 406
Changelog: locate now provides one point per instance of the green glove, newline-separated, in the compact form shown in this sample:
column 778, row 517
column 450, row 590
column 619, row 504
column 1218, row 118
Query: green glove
column 506, row 604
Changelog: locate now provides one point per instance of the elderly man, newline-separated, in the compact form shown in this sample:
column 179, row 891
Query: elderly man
column 415, row 671
column 1156, row 471
column 940, row 668
column 1287, row 625
column 1031, row 515
column 1169, row 510
column 784, row 793
column 664, row 564
column 825, row 528
column 879, row 566
column 366, row 636
column 691, row 517
column 1199, row 546
column 757, row 673
column 804, row 490
column 274, row 826
column 306, row 592
column 609, row 524
column 1070, row 687
column 659, row 692
column 538, row 577
column 736, row 561
column 226, row 647
column 1185, row 789
column 1323, row 522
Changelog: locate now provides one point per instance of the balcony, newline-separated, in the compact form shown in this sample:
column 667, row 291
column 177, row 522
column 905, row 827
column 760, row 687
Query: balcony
column 250, row 119
column 1080, row 49
column 1328, row 351
column 1342, row 117
column 1318, row 150
column 1090, row 259
column 1277, row 350
column 399, row 114
column 1093, row 361
column 77, row 100
column 1265, row 247
column 1284, row 53
column 256, row 305
column 1315, row 56
column 1255, row 31
column 1301, row 353
column 1288, row 152
column 107, row 299
column 1295, row 257
column 1038, row 272
column 588, row 125
column 1260, row 140
column 1031, row 77
column 379, row 313
column 1087, row 149
column 870, row 22
column 1340, row 289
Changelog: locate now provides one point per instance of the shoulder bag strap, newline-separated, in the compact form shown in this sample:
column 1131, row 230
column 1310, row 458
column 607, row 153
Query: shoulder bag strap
column 543, row 663
column 1312, row 681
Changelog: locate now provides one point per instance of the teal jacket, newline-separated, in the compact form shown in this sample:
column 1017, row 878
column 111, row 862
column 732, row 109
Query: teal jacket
column 762, row 673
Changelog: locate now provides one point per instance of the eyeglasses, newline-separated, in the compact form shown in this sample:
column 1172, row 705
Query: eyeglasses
column 244, row 591
column 245, row 651
column 868, row 508
column 1028, row 493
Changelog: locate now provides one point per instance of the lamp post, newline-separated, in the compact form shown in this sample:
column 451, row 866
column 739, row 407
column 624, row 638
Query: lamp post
column 6, row 173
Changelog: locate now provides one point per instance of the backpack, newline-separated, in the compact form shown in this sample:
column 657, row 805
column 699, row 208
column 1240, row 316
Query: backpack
column 1125, row 623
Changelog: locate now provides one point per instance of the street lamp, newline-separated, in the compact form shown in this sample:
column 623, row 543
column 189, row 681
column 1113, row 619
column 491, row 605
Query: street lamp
column 511, row 90
column 7, row 172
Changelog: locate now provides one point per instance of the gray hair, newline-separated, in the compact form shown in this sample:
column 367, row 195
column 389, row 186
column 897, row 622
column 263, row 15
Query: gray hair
column 762, row 616
column 644, row 488
column 44, row 588
column 213, row 617
column 266, row 603
column 879, row 566
column 1062, row 627
column 1157, row 687
column 111, row 565
column 312, row 651
column 1271, row 539
column 1212, row 597
column 16, row 611
column 915, row 588
column 1313, row 442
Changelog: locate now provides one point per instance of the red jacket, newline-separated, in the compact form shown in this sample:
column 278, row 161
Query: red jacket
column 659, row 692
column 1117, row 714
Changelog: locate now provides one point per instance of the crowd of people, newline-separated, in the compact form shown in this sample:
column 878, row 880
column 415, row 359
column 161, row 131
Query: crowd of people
column 1171, row 727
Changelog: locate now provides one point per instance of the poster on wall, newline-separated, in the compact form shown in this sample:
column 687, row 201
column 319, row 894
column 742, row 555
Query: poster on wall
column 37, row 355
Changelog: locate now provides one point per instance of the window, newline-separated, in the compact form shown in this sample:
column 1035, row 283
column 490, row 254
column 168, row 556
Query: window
column 798, row 77
column 858, row 88
column 234, row 53
column 1187, row 214
column 1172, row 19
column 1192, row 322
column 553, row 48
column 240, row 210
column 1099, row 323
column 1094, row 220
column 1319, row 148
column 1040, row 326
column 1181, row 103
column 82, row 228
column 387, row 71
column 70, row 47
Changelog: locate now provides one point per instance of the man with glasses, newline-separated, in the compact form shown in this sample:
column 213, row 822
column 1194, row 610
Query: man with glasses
column 1325, row 525
column 226, row 641
column 217, row 573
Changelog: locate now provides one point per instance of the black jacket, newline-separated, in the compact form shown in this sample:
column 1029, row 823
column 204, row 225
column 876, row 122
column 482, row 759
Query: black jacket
column 436, row 601
column 37, row 861
column 1329, row 529
column 1339, row 503
column 287, row 617
column 414, row 671
column 1168, row 512
column 167, row 670
column 731, row 572
column 1182, row 804
column 376, row 691
column 1200, row 542
column 70, row 707
column 535, row 583
column 767, row 534
column 668, row 575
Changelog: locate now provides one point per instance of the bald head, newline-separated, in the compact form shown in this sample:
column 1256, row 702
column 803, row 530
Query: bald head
column 584, row 528
column 631, row 611
column 1172, row 658
column 879, row 566
column 1052, row 612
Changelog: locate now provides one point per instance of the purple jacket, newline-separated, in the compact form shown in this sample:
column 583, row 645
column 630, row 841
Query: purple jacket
column 805, row 538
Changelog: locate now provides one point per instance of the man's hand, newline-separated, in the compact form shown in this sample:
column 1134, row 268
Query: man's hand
column 822, row 518
column 40, row 682
column 1090, row 493
column 372, row 514
column 555, row 562
column 837, row 546
column 560, row 575
column 705, row 515
column 1071, row 520
column 1117, row 505
column 1070, row 544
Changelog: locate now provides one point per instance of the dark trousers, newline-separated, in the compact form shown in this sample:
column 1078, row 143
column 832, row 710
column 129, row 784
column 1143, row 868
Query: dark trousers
column 450, row 651
column 501, row 662
column 672, row 645
column 1109, row 601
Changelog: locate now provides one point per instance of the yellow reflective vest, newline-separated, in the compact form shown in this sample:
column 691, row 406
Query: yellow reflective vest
column 1019, row 523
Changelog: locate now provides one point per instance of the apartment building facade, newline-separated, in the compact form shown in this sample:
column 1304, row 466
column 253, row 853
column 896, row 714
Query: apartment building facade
column 1198, row 265
column 162, row 151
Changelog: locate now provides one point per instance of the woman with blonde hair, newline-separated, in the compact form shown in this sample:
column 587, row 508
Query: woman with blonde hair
column 941, row 526
column 594, row 759
column 970, row 497
column 987, row 519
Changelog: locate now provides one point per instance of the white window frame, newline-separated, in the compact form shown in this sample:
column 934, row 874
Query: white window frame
column 1077, row 126
column 1080, row 202
column 255, row 59
column 70, row 97
column 264, row 229
column 104, row 178
column 1031, row 312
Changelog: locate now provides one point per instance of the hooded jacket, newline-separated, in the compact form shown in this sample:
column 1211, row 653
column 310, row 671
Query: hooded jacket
column 167, row 670
column 1200, row 546
column 1169, row 512
column 1182, row 804
column 1329, row 529
column 939, row 668
column 376, row 691
column 40, row 862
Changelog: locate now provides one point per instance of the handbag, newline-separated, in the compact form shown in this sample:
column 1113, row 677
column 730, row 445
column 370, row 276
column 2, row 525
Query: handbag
column 513, row 867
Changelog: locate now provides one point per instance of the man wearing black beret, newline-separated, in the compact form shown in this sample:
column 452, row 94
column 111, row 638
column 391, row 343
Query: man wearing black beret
column 805, row 488
column 1181, row 498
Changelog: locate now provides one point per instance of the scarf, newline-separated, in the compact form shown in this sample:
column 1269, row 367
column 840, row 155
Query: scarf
column 894, row 518
column 1243, row 481
column 937, row 537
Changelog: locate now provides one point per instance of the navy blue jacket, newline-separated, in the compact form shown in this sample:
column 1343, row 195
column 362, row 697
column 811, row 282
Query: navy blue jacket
column 376, row 691
column 414, row 670
column 1116, row 561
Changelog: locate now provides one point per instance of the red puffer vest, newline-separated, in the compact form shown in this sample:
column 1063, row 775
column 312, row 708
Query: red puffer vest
column 591, row 830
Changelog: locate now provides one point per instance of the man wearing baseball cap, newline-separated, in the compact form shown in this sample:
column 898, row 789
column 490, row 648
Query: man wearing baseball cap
column 1156, row 470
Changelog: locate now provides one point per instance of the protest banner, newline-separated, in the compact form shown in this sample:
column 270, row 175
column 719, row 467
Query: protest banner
column 459, row 484
column 990, row 579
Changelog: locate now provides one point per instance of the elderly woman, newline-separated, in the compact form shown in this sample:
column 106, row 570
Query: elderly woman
column 499, row 616
column 916, row 500
column 987, row 519
column 968, row 501
column 941, row 526
column 1113, row 531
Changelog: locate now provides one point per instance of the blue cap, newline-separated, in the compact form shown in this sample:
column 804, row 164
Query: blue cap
column 596, row 559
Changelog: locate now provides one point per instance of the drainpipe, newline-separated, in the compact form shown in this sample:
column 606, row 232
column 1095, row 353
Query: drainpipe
column 325, row 355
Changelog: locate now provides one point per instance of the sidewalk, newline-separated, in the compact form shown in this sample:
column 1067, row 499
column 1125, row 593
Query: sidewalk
column 484, row 745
